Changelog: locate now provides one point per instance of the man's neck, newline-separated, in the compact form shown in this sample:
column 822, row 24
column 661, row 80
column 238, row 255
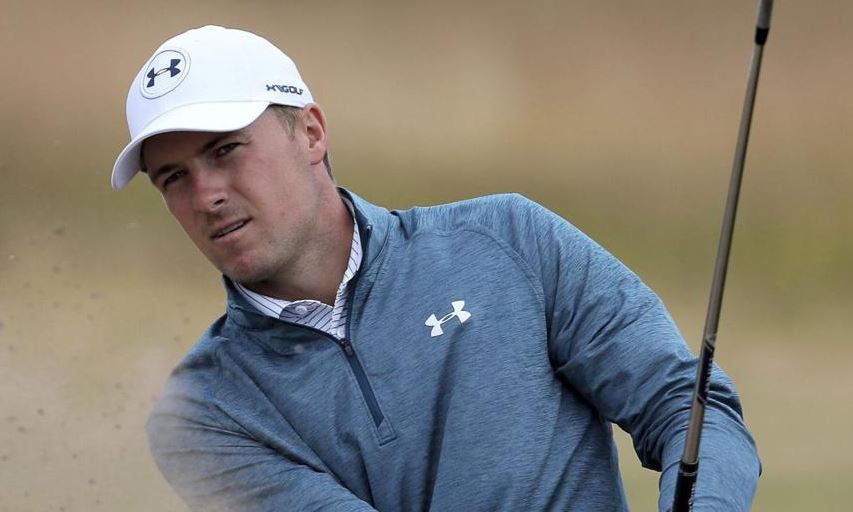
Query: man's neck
column 320, row 269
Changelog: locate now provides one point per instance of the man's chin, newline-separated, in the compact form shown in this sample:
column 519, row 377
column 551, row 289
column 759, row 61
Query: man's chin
column 246, row 278
column 244, row 273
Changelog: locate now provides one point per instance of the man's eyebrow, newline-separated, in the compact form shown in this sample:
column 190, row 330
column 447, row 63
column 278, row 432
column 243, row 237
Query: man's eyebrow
column 202, row 150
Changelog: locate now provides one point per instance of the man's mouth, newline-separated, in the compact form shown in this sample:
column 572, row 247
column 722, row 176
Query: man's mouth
column 230, row 228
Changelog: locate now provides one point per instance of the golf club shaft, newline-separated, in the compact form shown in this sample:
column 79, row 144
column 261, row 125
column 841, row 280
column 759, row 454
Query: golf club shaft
column 685, row 486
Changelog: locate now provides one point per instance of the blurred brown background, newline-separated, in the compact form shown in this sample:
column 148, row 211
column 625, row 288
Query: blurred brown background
column 621, row 116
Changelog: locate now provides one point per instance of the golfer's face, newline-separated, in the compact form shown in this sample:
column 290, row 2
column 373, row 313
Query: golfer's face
column 248, row 199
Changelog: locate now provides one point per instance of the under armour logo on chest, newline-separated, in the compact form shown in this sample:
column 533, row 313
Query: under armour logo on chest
column 457, row 312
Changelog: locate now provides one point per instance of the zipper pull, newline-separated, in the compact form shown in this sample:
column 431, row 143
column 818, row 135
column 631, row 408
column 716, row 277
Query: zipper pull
column 347, row 346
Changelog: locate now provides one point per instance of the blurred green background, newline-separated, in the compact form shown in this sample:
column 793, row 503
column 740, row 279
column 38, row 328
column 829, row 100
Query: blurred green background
column 621, row 116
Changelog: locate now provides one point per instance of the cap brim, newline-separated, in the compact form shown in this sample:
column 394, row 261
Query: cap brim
column 199, row 117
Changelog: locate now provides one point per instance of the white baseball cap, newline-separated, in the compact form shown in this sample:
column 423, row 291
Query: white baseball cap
column 210, row 79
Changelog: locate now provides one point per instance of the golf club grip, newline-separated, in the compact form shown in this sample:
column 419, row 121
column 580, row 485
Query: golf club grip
column 685, row 487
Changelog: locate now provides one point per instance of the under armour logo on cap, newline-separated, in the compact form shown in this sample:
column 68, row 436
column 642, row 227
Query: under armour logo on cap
column 457, row 312
column 172, row 69
column 166, row 70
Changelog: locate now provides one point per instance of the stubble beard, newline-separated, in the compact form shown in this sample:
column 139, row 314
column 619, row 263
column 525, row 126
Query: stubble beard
column 262, row 266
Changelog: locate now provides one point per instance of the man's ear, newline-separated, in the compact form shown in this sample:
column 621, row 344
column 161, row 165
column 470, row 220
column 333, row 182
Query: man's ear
column 314, row 121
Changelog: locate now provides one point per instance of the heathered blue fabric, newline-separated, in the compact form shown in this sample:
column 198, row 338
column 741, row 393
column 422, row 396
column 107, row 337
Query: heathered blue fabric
column 509, row 411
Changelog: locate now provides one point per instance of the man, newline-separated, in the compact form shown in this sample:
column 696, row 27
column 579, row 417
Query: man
column 469, row 356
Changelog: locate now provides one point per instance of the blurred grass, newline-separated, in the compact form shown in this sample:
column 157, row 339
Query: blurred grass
column 620, row 117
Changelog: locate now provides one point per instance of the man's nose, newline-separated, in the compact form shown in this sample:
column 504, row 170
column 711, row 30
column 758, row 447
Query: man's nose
column 210, row 190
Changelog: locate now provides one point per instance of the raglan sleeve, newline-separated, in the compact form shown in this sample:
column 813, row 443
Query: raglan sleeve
column 215, row 465
column 613, row 341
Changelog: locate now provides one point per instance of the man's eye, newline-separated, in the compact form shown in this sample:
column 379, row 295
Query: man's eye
column 172, row 177
column 226, row 148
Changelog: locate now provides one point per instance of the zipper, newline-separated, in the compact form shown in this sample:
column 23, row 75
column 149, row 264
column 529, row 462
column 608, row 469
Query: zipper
column 363, row 383
column 346, row 345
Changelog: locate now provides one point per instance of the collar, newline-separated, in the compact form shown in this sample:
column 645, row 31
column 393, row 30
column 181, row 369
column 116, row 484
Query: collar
column 374, row 224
